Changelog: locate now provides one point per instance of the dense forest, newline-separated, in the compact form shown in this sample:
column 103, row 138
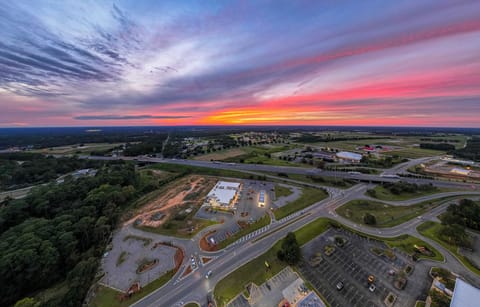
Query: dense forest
column 455, row 221
column 22, row 169
column 471, row 151
column 54, row 237
column 465, row 214
column 150, row 145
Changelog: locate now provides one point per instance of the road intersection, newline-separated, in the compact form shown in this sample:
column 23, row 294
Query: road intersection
column 195, row 287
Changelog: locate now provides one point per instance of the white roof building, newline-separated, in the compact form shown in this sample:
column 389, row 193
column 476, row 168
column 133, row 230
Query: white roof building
column 465, row 295
column 223, row 193
column 460, row 171
column 350, row 156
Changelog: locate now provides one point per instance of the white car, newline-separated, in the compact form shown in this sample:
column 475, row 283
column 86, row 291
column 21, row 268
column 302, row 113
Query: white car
column 372, row 288
column 209, row 273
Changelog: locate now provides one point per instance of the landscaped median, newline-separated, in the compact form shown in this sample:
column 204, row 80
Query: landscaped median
column 309, row 197
column 432, row 230
column 387, row 215
column 403, row 191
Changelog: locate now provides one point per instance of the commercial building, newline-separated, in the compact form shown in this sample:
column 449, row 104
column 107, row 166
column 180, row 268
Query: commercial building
column 465, row 295
column 224, row 194
column 297, row 295
column 261, row 199
column 460, row 171
column 349, row 156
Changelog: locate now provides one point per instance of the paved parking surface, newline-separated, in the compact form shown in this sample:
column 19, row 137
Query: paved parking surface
column 352, row 264
column 261, row 296
column 248, row 200
column 228, row 229
column 246, row 210
column 202, row 213
column 282, row 201
column 124, row 275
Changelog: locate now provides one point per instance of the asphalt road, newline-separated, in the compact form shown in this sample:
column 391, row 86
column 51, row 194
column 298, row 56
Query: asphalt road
column 300, row 170
column 195, row 287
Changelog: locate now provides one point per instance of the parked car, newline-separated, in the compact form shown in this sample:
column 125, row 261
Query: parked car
column 340, row 286
column 372, row 288
column 209, row 273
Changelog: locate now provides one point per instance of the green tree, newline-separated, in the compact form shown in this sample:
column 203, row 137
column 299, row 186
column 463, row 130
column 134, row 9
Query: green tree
column 369, row 219
column 290, row 250
column 27, row 302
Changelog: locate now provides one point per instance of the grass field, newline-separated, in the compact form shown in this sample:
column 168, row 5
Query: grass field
column 261, row 155
column 309, row 196
column 221, row 154
column 386, row 215
column 76, row 149
column 320, row 180
column 281, row 191
column 264, row 221
column 431, row 230
column 175, row 225
column 107, row 297
column 187, row 169
column 353, row 144
column 416, row 152
column 388, row 140
column 251, row 154
column 384, row 194
column 255, row 270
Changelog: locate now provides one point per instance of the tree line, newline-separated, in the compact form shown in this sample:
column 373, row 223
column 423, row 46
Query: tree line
column 58, row 233
column 456, row 219
column 18, row 170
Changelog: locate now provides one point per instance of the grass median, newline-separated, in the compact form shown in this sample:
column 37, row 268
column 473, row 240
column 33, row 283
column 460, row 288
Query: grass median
column 316, row 179
column 309, row 197
column 387, row 215
column 432, row 230
column 382, row 193
column 189, row 169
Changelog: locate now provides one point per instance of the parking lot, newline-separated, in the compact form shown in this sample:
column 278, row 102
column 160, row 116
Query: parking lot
column 246, row 209
column 282, row 201
column 351, row 265
column 269, row 293
column 122, row 275
column 248, row 200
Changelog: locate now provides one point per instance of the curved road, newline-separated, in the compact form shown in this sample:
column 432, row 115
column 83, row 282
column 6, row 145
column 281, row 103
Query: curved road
column 195, row 287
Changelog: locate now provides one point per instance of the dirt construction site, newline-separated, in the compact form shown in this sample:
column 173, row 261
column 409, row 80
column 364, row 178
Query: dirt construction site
column 179, row 197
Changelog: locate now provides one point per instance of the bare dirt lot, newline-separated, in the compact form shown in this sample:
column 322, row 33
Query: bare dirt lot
column 183, row 193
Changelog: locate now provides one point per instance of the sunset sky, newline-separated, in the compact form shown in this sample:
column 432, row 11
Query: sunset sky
column 109, row 63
